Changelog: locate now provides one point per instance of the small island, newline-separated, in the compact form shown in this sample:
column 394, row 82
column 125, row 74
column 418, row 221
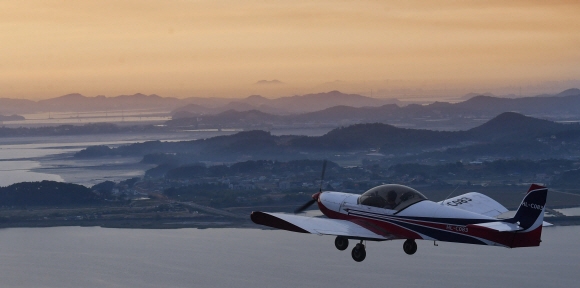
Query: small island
column 13, row 117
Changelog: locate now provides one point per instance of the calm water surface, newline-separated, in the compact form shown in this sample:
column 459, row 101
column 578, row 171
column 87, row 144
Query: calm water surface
column 98, row 257
column 20, row 171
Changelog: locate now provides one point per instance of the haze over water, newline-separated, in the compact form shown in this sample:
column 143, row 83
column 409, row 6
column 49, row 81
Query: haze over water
column 100, row 257
column 28, row 159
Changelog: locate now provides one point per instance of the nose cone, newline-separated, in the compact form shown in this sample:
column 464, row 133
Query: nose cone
column 332, row 200
column 316, row 195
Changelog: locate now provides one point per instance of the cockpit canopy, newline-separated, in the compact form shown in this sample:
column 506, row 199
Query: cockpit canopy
column 391, row 196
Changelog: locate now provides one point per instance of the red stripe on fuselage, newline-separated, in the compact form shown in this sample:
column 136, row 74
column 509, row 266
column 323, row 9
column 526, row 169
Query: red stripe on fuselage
column 502, row 238
column 382, row 228
column 385, row 228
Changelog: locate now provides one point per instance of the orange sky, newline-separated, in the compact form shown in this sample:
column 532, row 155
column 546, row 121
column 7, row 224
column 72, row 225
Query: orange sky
column 221, row 48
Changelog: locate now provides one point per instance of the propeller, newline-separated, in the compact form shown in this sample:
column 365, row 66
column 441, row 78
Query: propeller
column 316, row 195
column 306, row 205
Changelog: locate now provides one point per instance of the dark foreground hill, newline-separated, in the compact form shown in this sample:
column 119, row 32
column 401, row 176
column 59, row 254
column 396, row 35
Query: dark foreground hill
column 378, row 136
column 47, row 193
column 514, row 126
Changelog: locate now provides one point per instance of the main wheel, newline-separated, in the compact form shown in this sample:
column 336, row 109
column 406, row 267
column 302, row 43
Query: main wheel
column 410, row 246
column 359, row 253
column 341, row 243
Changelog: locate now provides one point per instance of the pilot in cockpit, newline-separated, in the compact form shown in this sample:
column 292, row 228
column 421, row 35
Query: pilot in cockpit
column 391, row 198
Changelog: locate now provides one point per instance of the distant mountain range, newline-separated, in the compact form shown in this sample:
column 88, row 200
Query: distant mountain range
column 507, row 135
column 453, row 116
column 330, row 108
column 286, row 105
column 193, row 105
column 569, row 92
column 80, row 103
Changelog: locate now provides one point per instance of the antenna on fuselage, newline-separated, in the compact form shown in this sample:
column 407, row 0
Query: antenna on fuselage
column 442, row 202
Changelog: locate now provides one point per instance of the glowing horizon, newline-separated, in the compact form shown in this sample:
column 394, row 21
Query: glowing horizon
column 222, row 48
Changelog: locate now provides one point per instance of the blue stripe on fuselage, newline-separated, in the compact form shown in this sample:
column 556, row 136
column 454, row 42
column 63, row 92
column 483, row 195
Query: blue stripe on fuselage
column 452, row 221
column 435, row 233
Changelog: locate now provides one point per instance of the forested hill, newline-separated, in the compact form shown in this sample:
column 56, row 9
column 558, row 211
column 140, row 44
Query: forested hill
column 47, row 193
column 514, row 126
column 506, row 128
column 376, row 135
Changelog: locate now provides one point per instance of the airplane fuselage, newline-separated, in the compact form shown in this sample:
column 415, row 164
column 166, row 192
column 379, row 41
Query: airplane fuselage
column 392, row 211
column 426, row 220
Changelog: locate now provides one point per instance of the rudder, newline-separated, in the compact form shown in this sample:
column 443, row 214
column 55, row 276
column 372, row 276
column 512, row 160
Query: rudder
column 530, row 216
column 531, row 210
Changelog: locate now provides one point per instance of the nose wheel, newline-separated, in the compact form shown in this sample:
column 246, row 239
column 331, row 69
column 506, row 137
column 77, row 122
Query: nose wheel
column 410, row 246
column 358, row 252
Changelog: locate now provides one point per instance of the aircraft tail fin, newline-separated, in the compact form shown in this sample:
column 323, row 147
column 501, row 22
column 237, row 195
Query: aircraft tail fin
column 530, row 217
column 531, row 210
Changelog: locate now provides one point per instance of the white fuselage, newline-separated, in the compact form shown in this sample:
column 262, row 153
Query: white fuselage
column 344, row 202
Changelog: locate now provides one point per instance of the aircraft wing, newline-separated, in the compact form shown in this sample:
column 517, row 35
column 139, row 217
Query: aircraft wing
column 315, row 225
column 477, row 203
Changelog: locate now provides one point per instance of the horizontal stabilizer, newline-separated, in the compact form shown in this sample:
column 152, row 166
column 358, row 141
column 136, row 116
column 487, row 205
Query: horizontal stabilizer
column 547, row 224
column 499, row 226
column 314, row 225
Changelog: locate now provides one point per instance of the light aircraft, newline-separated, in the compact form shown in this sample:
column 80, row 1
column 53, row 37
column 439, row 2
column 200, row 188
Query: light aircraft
column 390, row 212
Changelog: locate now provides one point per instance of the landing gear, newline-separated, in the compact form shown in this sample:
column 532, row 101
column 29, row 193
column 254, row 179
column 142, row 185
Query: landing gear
column 410, row 246
column 358, row 252
column 341, row 243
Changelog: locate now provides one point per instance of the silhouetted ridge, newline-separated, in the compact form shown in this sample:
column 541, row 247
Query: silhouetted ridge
column 482, row 101
column 256, row 100
column 250, row 134
column 71, row 96
column 47, row 193
column 249, row 113
column 569, row 92
column 516, row 125
column 377, row 135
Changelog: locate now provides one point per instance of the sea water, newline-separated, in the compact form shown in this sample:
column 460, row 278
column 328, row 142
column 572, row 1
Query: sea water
column 104, row 257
